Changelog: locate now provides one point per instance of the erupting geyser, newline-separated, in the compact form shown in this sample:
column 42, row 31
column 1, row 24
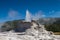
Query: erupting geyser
column 28, row 16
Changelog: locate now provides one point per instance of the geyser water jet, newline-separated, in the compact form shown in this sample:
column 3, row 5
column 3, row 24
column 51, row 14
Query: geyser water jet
column 28, row 16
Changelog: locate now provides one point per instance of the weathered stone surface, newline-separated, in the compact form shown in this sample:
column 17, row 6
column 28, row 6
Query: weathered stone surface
column 36, row 32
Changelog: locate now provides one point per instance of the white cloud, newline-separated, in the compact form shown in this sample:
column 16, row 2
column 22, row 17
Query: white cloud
column 55, row 14
column 13, row 15
column 43, row 15
column 51, row 12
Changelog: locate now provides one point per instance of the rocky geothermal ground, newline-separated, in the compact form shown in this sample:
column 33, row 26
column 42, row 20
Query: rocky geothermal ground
column 36, row 32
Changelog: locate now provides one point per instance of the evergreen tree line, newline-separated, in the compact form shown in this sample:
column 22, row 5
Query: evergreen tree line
column 55, row 26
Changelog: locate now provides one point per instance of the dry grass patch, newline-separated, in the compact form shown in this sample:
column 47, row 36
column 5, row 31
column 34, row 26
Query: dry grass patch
column 57, row 33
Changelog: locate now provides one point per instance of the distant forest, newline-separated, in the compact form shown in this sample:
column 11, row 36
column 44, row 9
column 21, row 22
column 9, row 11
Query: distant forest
column 55, row 26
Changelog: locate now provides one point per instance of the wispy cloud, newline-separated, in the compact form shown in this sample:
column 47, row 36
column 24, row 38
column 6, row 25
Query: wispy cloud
column 55, row 14
column 51, row 12
column 13, row 15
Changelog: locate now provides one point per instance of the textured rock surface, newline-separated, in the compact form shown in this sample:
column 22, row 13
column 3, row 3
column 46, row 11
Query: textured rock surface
column 36, row 32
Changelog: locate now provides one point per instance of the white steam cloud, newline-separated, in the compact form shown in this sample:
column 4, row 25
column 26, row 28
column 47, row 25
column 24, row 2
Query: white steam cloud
column 38, row 15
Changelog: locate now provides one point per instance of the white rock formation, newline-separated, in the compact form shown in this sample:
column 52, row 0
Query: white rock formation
column 36, row 32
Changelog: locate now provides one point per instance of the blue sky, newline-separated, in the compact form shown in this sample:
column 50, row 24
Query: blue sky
column 16, row 9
